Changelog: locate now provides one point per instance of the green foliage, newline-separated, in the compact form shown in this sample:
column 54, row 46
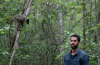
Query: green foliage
column 7, row 0
column 39, row 41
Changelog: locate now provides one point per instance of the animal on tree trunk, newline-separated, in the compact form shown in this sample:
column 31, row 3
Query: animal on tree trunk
column 19, row 21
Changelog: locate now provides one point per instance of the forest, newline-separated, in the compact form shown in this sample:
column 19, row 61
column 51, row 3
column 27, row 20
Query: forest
column 46, row 39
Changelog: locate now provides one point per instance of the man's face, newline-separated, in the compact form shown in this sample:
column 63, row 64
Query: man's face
column 74, row 42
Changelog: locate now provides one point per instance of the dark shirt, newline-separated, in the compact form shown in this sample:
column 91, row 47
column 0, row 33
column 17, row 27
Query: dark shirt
column 80, row 58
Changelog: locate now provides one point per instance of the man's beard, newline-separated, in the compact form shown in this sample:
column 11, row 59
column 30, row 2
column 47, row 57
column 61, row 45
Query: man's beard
column 75, row 46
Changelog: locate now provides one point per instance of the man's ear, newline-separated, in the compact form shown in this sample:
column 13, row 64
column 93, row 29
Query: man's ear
column 78, row 43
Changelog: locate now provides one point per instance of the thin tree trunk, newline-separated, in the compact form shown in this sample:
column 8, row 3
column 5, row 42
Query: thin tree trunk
column 95, row 36
column 60, row 23
column 60, row 31
column 98, row 40
column 23, row 9
column 29, row 3
column 15, row 47
column 84, row 19
column 13, row 41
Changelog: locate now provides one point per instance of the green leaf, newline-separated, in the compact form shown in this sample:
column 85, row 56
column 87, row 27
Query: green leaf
column 2, row 32
column 49, row 16
column 7, row 28
column 31, row 16
column 21, row 1
column 1, row 29
column 5, row 53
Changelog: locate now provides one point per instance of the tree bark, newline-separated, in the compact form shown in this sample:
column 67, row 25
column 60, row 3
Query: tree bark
column 15, row 47
column 95, row 36
column 23, row 9
column 13, row 41
column 84, row 19
column 28, row 7
column 60, row 31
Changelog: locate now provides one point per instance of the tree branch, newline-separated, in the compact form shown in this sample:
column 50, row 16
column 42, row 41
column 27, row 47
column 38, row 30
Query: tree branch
column 80, row 20
column 28, row 7
column 83, row 17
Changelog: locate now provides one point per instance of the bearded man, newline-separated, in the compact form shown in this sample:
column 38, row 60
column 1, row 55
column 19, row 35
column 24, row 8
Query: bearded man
column 76, row 56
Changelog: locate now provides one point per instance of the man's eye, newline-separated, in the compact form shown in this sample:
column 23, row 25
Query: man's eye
column 74, row 40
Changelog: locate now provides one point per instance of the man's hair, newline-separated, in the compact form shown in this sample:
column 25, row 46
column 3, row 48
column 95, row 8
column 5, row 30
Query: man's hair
column 78, row 37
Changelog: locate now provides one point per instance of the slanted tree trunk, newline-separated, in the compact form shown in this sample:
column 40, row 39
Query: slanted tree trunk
column 23, row 9
column 18, row 32
column 15, row 47
column 29, row 3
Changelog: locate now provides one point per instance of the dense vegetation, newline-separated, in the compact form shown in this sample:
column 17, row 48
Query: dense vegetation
column 46, row 39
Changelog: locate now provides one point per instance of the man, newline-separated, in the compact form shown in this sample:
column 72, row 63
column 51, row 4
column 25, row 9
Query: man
column 76, row 56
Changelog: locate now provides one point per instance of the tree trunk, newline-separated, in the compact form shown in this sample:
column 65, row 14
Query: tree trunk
column 95, row 35
column 15, row 47
column 60, row 31
column 84, row 19
column 23, row 9
column 27, row 9
column 98, row 40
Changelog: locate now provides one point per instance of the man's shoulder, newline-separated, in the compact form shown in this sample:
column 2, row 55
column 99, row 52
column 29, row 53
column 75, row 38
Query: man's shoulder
column 67, row 54
column 82, row 52
column 84, row 57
